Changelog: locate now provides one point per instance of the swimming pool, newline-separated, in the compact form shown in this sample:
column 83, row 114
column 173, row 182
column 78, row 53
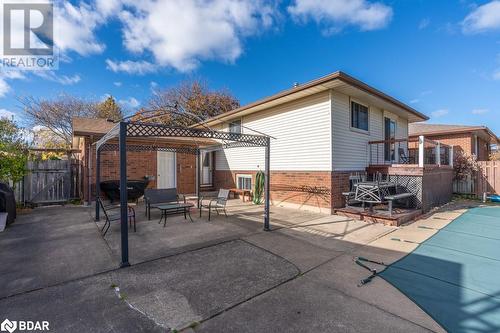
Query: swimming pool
column 455, row 275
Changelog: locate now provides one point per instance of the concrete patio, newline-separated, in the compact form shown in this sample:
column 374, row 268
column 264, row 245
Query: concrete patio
column 226, row 275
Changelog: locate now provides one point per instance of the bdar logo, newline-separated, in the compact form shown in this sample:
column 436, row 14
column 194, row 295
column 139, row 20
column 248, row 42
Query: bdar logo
column 8, row 326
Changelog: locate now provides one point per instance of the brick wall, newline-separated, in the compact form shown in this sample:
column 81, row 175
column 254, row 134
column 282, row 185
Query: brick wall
column 139, row 164
column 463, row 144
column 310, row 188
column 340, row 183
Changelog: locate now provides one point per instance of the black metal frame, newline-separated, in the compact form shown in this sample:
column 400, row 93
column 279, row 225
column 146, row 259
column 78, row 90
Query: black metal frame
column 126, row 129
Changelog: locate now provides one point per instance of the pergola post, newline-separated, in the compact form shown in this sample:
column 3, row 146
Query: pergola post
column 123, row 194
column 97, row 182
column 126, row 129
column 267, row 183
column 198, row 178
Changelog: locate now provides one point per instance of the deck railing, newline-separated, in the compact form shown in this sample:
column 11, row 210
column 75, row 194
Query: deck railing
column 420, row 151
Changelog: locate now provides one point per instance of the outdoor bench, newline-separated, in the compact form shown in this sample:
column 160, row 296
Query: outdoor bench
column 155, row 197
column 394, row 197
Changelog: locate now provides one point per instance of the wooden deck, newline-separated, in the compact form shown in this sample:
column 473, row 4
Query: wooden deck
column 399, row 215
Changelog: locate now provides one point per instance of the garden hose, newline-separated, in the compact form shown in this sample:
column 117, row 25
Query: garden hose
column 259, row 188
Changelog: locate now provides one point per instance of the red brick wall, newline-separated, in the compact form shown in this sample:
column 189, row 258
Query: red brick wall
column 311, row 188
column 139, row 164
column 340, row 183
column 464, row 143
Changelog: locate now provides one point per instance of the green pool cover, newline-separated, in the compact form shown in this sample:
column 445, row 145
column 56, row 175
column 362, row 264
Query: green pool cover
column 455, row 275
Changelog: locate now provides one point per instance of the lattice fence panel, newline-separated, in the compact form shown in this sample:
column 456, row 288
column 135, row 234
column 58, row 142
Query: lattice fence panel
column 411, row 184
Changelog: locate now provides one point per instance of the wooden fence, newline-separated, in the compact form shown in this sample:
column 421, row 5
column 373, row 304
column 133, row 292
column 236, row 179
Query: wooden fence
column 50, row 182
column 465, row 186
column 488, row 179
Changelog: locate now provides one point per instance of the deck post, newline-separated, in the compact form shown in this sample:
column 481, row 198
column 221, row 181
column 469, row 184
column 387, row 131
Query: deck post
column 267, row 183
column 451, row 156
column 421, row 151
column 123, row 194
column 438, row 153
column 97, row 183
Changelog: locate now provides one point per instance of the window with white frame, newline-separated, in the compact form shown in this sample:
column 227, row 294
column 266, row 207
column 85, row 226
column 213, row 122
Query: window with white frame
column 244, row 182
column 235, row 126
column 359, row 116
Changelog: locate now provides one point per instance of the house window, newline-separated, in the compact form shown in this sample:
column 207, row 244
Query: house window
column 359, row 116
column 235, row 126
column 244, row 182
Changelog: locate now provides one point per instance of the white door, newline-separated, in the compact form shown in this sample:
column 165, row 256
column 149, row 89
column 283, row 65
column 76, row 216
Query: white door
column 206, row 168
column 166, row 170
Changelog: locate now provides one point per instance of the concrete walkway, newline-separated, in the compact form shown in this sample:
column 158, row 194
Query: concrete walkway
column 300, row 277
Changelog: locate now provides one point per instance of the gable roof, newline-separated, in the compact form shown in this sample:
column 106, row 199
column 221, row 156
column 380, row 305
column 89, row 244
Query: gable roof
column 324, row 83
column 415, row 129
column 91, row 126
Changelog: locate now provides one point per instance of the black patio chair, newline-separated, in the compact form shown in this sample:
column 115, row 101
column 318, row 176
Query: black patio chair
column 216, row 203
column 112, row 216
column 403, row 158
column 154, row 197
column 354, row 179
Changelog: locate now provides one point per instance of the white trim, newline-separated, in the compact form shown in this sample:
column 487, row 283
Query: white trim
column 246, row 176
column 158, row 153
column 355, row 129
column 234, row 120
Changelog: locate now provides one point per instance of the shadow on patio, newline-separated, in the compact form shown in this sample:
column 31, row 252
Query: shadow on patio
column 152, row 240
column 228, row 275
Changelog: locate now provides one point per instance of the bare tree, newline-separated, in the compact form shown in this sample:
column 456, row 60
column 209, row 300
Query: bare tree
column 187, row 104
column 56, row 115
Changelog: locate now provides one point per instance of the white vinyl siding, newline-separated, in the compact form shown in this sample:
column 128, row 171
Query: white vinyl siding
column 350, row 147
column 302, row 131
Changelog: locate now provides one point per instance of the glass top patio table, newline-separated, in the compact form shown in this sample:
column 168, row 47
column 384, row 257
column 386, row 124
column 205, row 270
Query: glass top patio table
column 174, row 206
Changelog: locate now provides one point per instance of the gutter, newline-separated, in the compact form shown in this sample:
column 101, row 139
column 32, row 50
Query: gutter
column 334, row 76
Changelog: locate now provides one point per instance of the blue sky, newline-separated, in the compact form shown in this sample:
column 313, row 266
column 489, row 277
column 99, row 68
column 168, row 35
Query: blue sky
column 440, row 57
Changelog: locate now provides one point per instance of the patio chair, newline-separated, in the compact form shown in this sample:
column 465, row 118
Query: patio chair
column 216, row 203
column 380, row 177
column 353, row 180
column 403, row 158
column 112, row 216
column 154, row 197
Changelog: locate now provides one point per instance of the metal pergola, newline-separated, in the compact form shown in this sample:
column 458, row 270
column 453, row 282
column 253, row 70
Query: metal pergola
column 128, row 129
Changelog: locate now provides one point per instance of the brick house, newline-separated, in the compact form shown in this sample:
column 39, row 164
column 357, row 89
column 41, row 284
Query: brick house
column 163, row 169
column 470, row 140
column 321, row 131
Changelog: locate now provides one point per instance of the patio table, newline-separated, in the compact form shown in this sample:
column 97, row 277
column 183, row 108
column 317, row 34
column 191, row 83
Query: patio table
column 174, row 208
column 373, row 192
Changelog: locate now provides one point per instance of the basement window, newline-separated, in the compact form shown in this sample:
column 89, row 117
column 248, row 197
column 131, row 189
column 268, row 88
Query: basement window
column 244, row 182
